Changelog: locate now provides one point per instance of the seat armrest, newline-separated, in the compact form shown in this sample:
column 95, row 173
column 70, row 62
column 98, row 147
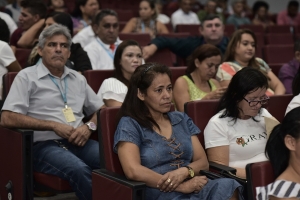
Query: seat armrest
column 109, row 185
column 120, row 179
column 216, row 167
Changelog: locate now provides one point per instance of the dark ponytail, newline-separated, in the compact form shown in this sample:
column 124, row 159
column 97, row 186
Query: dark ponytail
column 276, row 150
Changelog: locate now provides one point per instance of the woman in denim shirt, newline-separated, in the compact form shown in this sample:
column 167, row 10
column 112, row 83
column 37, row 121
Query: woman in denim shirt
column 161, row 148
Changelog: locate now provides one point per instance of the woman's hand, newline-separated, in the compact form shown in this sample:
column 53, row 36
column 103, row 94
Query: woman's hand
column 195, row 184
column 216, row 94
column 169, row 181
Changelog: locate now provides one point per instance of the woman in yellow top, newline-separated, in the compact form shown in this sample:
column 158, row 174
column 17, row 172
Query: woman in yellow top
column 147, row 22
column 199, row 82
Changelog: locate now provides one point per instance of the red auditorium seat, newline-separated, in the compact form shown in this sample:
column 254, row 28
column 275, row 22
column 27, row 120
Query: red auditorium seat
column 142, row 38
column 280, row 29
column 277, row 105
column 278, row 53
column 229, row 30
column 258, row 174
column 255, row 28
column 95, row 77
column 193, row 29
column 163, row 56
column 22, row 56
column 275, row 68
column 260, row 42
column 200, row 112
column 176, row 73
column 124, row 15
column 8, row 79
column 110, row 183
column 279, row 39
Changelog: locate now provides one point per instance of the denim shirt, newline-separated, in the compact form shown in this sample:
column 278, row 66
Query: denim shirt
column 157, row 152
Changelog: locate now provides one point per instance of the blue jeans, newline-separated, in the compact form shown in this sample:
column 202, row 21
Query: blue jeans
column 74, row 165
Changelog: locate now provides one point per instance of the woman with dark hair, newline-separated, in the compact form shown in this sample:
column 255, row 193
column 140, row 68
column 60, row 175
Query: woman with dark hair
column 57, row 6
column 240, row 53
column 83, row 13
column 161, row 148
column 147, row 22
column 260, row 12
column 127, row 58
column 282, row 149
column 236, row 135
column 199, row 82
column 78, row 59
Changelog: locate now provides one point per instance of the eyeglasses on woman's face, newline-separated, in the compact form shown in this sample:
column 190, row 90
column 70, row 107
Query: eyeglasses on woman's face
column 253, row 103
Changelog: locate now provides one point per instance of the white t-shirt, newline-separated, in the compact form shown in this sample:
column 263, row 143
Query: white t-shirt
column 9, row 21
column 99, row 55
column 7, row 56
column 84, row 37
column 163, row 18
column 112, row 88
column 246, row 138
column 293, row 104
column 179, row 17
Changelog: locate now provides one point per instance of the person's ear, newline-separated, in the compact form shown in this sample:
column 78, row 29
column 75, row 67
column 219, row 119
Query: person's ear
column 95, row 28
column 196, row 62
column 297, row 56
column 39, row 50
column 140, row 95
column 36, row 18
column 290, row 142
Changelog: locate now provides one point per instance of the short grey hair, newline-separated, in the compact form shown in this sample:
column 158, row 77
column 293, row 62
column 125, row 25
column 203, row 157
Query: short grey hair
column 54, row 29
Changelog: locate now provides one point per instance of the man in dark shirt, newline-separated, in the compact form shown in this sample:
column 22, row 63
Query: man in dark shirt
column 211, row 30
column 31, row 12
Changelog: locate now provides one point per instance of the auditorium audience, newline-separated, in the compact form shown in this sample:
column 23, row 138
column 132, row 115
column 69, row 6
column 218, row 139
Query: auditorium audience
column 78, row 59
column 147, row 22
column 8, row 61
column 160, row 16
column 210, row 9
column 261, row 15
column 240, row 53
column 184, row 15
column 199, row 82
column 237, row 18
column 211, row 30
column 127, row 58
column 290, row 16
column 282, row 149
column 236, row 135
column 288, row 71
column 57, row 6
column 31, row 13
column 83, row 13
column 161, row 148
column 101, row 49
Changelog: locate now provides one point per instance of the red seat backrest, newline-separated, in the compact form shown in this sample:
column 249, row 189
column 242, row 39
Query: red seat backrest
column 229, row 30
column 142, row 38
column 8, row 79
column 280, row 29
column 108, row 127
column 254, row 28
column 275, row 68
column 95, row 77
column 163, row 56
column 258, row 174
column 193, row 29
column 22, row 56
column 278, row 53
column 176, row 73
column 277, row 105
column 124, row 15
column 200, row 112
column 279, row 39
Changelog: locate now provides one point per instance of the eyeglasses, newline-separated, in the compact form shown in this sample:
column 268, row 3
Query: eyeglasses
column 253, row 103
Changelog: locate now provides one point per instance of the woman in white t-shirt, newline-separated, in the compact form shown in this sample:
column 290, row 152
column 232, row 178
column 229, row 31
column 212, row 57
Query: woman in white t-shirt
column 127, row 58
column 236, row 135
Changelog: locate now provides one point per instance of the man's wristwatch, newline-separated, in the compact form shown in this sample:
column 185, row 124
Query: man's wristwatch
column 92, row 126
column 191, row 172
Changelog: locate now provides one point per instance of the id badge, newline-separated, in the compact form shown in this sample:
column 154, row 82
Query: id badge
column 69, row 115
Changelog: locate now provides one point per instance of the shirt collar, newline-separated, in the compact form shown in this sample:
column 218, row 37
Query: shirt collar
column 118, row 41
column 43, row 71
